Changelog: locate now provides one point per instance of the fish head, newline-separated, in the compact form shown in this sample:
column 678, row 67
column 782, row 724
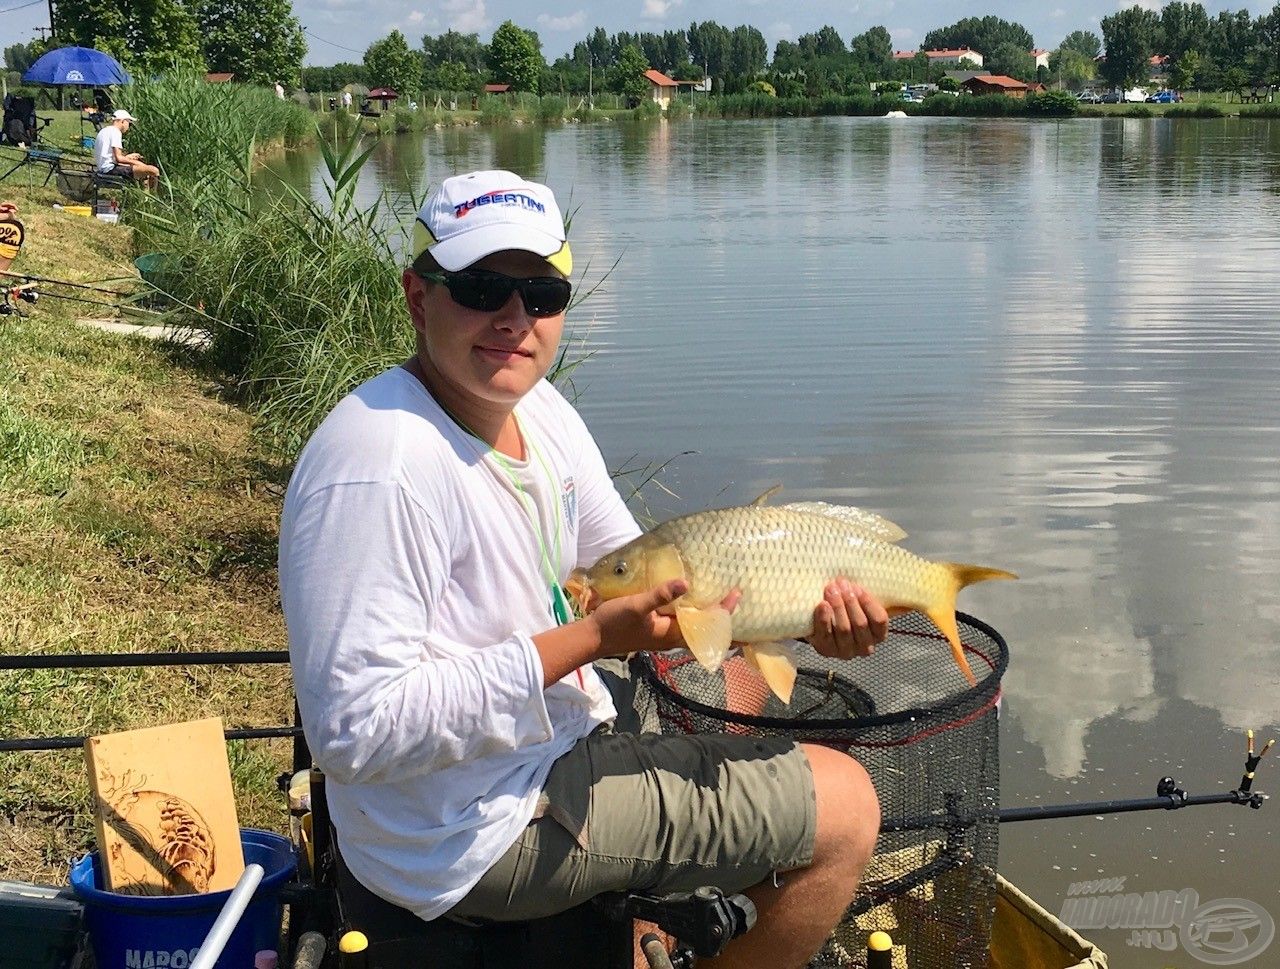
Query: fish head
column 634, row 568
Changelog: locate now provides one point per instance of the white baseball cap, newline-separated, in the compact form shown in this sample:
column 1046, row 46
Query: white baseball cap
column 472, row 216
column 122, row 115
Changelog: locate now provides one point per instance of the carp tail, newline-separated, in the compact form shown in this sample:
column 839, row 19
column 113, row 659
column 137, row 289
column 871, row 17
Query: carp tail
column 942, row 613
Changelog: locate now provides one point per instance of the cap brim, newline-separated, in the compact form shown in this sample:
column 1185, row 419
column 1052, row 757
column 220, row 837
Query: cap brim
column 468, row 248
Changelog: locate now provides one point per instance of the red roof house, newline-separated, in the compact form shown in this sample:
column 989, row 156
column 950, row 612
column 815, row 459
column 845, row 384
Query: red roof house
column 996, row 84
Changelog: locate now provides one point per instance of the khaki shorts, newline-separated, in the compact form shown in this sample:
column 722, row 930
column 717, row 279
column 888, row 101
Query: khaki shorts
column 648, row 812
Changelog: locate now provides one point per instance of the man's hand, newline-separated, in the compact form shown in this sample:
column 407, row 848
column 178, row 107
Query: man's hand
column 632, row 624
column 848, row 622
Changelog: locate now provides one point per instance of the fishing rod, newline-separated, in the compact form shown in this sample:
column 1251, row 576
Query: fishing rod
column 1169, row 797
column 26, row 277
column 28, row 291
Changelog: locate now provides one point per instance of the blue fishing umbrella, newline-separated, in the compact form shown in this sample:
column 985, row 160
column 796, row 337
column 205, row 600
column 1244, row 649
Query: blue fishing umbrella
column 76, row 66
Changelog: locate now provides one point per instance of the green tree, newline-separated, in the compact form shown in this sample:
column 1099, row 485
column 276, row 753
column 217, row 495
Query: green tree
column 1182, row 27
column 390, row 63
column 146, row 36
column 709, row 46
column 257, row 40
column 18, row 57
column 873, row 50
column 1130, row 36
column 948, row 84
column 1071, row 68
column 827, row 42
column 1085, row 42
column 1231, row 40
column 1185, row 71
column 627, row 76
column 515, row 57
column 1011, row 60
column 464, row 49
column 983, row 34
column 748, row 55
column 452, row 76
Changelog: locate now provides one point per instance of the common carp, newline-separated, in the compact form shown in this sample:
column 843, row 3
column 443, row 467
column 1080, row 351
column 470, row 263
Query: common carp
column 780, row 559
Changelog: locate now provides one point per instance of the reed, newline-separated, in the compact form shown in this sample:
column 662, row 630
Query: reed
column 301, row 299
column 190, row 127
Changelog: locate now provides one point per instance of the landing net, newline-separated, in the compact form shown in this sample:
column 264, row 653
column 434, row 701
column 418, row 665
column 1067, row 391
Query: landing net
column 929, row 742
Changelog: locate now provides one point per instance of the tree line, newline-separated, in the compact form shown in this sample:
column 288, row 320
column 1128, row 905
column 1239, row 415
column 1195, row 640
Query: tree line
column 259, row 41
column 1229, row 49
column 264, row 43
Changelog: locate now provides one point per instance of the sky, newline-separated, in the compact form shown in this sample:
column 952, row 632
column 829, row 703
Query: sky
column 340, row 30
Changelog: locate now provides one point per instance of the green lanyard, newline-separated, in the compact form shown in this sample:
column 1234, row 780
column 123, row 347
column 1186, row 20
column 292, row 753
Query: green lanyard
column 559, row 602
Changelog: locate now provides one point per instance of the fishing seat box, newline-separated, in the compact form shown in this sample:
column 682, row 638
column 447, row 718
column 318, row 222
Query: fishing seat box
column 40, row 926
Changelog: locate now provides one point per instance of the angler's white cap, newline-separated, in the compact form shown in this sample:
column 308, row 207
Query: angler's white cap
column 472, row 216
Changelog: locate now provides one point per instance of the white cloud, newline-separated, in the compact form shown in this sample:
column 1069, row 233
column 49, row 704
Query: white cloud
column 901, row 33
column 1057, row 13
column 571, row 21
column 465, row 16
column 416, row 17
column 658, row 9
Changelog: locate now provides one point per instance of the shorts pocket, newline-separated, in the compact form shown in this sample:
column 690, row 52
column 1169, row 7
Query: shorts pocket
column 566, row 796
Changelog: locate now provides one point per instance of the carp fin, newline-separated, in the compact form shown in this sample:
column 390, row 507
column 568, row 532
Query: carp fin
column 943, row 613
column 875, row 526
column 707, row 632
column 776, row 662
column 764, row 498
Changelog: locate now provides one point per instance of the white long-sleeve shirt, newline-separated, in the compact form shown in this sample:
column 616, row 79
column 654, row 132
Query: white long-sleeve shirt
column 412, row 580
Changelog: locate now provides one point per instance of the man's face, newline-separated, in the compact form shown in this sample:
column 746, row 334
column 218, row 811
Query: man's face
column 497, row 357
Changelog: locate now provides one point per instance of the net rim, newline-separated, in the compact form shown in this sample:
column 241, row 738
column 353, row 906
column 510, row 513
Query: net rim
column 986, row 689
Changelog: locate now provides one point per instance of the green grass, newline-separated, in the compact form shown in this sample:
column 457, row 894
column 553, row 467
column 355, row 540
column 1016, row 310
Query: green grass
column 137, row 513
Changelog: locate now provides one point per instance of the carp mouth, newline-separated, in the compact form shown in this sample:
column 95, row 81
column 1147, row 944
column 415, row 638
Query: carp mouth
column 579, row 588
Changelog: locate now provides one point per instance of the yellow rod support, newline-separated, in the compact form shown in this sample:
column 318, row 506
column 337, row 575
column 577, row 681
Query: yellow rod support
column 879, row 951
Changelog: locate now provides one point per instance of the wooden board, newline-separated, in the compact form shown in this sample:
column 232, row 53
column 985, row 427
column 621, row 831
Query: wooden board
column 164, row 809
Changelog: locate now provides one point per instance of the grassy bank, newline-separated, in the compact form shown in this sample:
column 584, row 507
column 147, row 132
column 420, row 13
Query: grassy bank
column 137, row 515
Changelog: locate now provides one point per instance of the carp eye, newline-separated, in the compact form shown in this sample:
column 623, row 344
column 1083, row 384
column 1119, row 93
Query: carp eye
column 620, row 568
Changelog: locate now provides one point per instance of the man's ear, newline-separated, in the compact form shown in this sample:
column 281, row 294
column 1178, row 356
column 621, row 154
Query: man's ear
column 415, row 296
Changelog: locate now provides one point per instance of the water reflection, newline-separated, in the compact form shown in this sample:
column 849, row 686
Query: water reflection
column 1045, row 347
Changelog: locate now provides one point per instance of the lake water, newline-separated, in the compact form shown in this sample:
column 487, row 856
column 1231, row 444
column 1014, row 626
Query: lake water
column 1048, row 347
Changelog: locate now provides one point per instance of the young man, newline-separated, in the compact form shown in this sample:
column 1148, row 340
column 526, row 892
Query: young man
column 472, row 765
column 109, row 155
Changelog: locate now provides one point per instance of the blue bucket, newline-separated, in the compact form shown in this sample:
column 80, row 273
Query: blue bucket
column 133, row 931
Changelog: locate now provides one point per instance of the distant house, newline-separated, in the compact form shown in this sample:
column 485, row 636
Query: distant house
column 955, row 55
column 1159, row 64
column 497, row 88
column 961, row 76
column 1010, row 87
column 1041, row 57
column 219, row 77
column 702, row 85
column 661, row 87
column 1035, row 87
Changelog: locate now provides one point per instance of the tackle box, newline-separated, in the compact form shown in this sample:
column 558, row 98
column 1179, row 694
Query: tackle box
column 40, row 926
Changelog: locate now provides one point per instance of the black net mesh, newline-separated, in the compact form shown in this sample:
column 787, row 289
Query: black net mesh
column 929, row 742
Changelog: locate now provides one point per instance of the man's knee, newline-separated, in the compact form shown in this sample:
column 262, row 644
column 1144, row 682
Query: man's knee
column 848, row 808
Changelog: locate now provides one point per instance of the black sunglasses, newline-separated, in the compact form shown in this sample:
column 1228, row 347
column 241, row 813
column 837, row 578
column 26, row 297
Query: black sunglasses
column 479, row 289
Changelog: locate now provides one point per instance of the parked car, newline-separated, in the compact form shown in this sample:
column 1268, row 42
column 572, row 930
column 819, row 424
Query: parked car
column 1164, row 97
column 1089, row 97
column 1110, row 97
